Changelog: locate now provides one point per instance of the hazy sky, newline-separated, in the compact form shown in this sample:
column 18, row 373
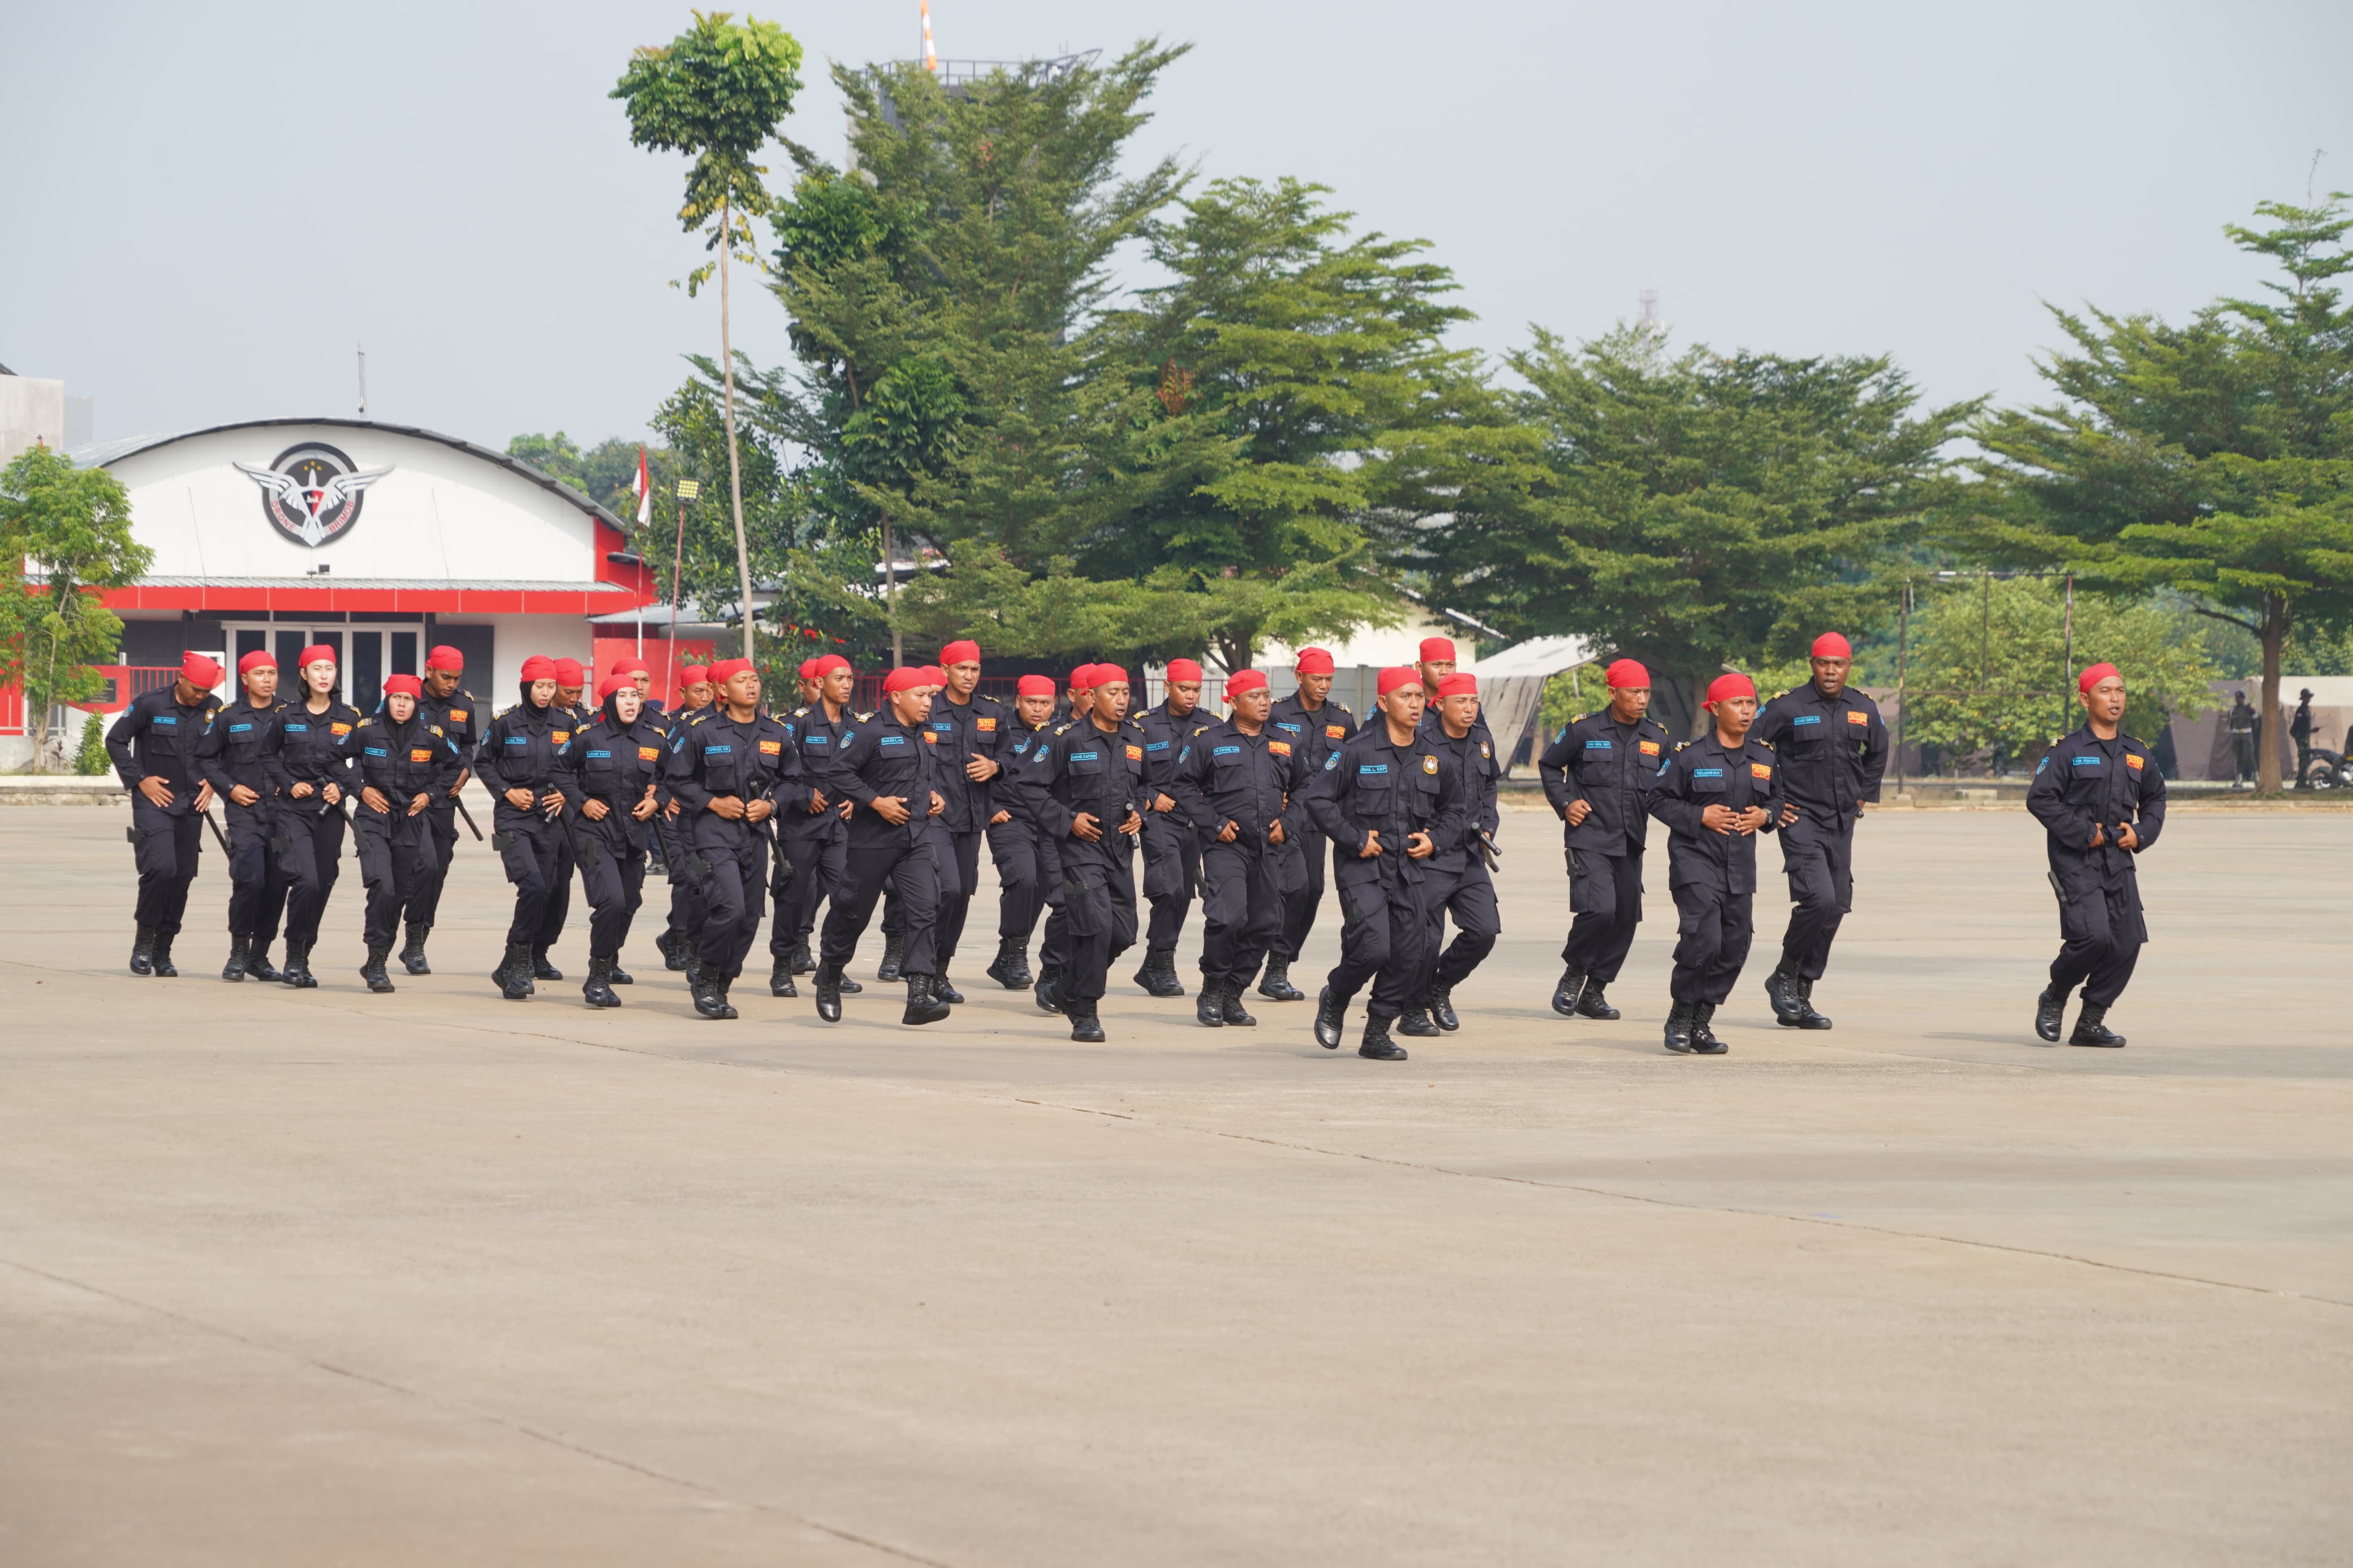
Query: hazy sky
column 208, row 205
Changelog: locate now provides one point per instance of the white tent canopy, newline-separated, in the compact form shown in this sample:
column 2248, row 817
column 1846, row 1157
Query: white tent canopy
column 1512, row 683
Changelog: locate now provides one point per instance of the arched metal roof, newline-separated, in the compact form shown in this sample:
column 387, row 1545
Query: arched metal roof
column 105, row 454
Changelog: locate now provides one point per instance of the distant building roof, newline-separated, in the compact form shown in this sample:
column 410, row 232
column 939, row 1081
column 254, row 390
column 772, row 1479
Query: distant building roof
column 105, row 454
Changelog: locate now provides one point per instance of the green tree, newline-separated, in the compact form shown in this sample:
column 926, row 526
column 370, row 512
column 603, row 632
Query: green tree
column 1695, row 512
column 606, row 473
column 717, row 92
column 65, row 533
column 1987, row 675
column 2214, row 457
column 89, row 758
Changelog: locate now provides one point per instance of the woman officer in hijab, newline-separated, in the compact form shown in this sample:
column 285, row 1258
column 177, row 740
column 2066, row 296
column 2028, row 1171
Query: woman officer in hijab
column 614, row 789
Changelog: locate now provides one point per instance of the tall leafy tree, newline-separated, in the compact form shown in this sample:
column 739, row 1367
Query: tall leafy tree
column 717, row 93
column 2215, row 456
column 65, row 534
column 1696, row 511
column 606, row 473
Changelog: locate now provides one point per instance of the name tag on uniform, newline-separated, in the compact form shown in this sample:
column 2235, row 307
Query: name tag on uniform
column 813, row 740
column 894, row 741
column 984, row 725
column 1760, row 770
column 1225, row 750
column 1854, row 716
column 1372, row 767
column 1280, row 748
column 649, row 753
column 1807, row 719
column 1281, row 725
column 238, row 729
column 2132, row 761
column 1650, row 748
column 772, row 747
column 1707, row 772
column 1599, row 746
column 378, row 752
column 717, row 751
column 1335, row 732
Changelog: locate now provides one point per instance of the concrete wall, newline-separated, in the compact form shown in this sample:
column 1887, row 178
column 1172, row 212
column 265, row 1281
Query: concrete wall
column 31, row 409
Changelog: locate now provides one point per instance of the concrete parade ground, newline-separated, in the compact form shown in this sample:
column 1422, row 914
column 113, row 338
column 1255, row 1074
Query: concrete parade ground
column 434, row 1277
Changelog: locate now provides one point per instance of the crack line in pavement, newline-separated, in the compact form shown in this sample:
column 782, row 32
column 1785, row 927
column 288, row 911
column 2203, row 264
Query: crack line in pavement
column 496, row 1420
column 1693, row 1207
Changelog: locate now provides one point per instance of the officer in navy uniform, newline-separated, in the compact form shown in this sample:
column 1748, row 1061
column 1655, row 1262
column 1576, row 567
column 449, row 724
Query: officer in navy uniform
column 450, row 707
column 970, row 730
column 676, row 943
column 1085, row 789
column 1388, row 805
column 1235, row 786
column 731, row 770
column 154, row 747
column 307, row 756
column 1054, row 945
column 1172, row 852
column 1834, row 752
column 570, row 683
column 521, row 760
column 614, row 793
column 1597, row 774
column 815, row 837
column 891, row 770
column 405, row 764
column 796, row 869
column 1461, row 881
column 2101, row 800
column 1715, row 794
column 231, row 757
column 1024, row 870
column 1315, row 726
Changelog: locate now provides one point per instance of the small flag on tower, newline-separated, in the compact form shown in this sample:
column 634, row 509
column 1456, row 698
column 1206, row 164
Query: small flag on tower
column 643, row 488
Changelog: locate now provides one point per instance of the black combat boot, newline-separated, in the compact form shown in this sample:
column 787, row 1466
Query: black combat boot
column 1158, row 974
column 1209, row 1005
column 1275, row 984
column 1414, row 1022
column 923, row 1005
column 515, row 974
column 1049, row 988
column 143, row 951
column 373, row 970
column 1441, row 1008
column 541, row 969
column 1807, row 1018
column 1679, row 1028
column 1593, row 1005
column 828, row 985
column 1011, row 969
column 2092, row 1028
column 780, row 977
column 297, row 973
column 1377, row 1046
column 1084, row 1026
column 1331, row 1013
column 597, row 990
column 163, row 958
column 1566, row 995
column 799, row 958
column 2049, row 1013
column 1229, row 1001
column 894, row 953
column 1781, row 990
column 1702, row 1038
column 849, row 987
column 412, row 953
column 943, row 992
column 616, row 976
column 704, row 988
column 675, row 949
column 257, row 964
column 240, row 957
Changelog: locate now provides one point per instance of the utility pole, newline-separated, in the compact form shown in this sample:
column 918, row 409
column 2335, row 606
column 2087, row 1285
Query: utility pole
column 363, row 354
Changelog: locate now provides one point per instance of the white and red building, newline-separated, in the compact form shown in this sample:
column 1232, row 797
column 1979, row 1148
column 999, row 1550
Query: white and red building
column 379, row 539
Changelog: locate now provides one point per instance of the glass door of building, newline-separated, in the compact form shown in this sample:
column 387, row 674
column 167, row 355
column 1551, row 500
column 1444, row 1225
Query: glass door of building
column 365, row 655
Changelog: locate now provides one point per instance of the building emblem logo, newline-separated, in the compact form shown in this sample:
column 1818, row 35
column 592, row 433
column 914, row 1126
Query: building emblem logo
column 312, row 492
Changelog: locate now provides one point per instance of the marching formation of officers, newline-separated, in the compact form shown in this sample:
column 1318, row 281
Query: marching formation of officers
column 756, row 814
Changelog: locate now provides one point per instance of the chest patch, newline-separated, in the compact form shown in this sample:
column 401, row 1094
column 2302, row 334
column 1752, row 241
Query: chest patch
column 893, row 741
column 1335, row 732
column 1597, row 746
column 1760, row 770
column 1376, row 769
column 772, row 747
column 339, row 728
column 931, row 738
column 1707, row 772
column 1281, row 725
column 1855, row 717
column 1429, row 763
column 1650, row 748
column 985, row 726
column 2086, row 762
column 1225, row 750
column 1086, row 756
column 1486, row 751
column 718, row 751
column 419, row 754
column 1807, row 719
column 561, row 737
column 2133, row 761
column 457, row 715
column 1280, row 748
column 649, row 753
column 1136, row 753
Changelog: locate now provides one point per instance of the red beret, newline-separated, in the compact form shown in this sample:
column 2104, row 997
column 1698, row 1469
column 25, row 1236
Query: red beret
column 1730, row 684
column 443, row 657
column 693, row 674
column 829, row 663
column 1183, row 669
column 1083, row 678
column 2097, row 674
column 1035, row 686
column 1314, row 661
column 259, row 658
column 1398, row 676
column 538, row 667
column 727, row 669
column 568, row 672
column 1830, row 645
column 962, row 652
column 315, row 652
column 808, row 668
column 1626, row 672
column 1110, row 674
column 1437, row 649
column 626, row 665
column 1462, row 683
column 403, row 686
column 1243, row 681
column 617, row 681
column 907, row 677
column 200, row 670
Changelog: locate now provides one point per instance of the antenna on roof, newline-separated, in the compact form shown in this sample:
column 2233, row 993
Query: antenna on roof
column 363, row 354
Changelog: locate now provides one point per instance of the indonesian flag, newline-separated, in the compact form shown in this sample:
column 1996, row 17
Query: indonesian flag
column 642, row 486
